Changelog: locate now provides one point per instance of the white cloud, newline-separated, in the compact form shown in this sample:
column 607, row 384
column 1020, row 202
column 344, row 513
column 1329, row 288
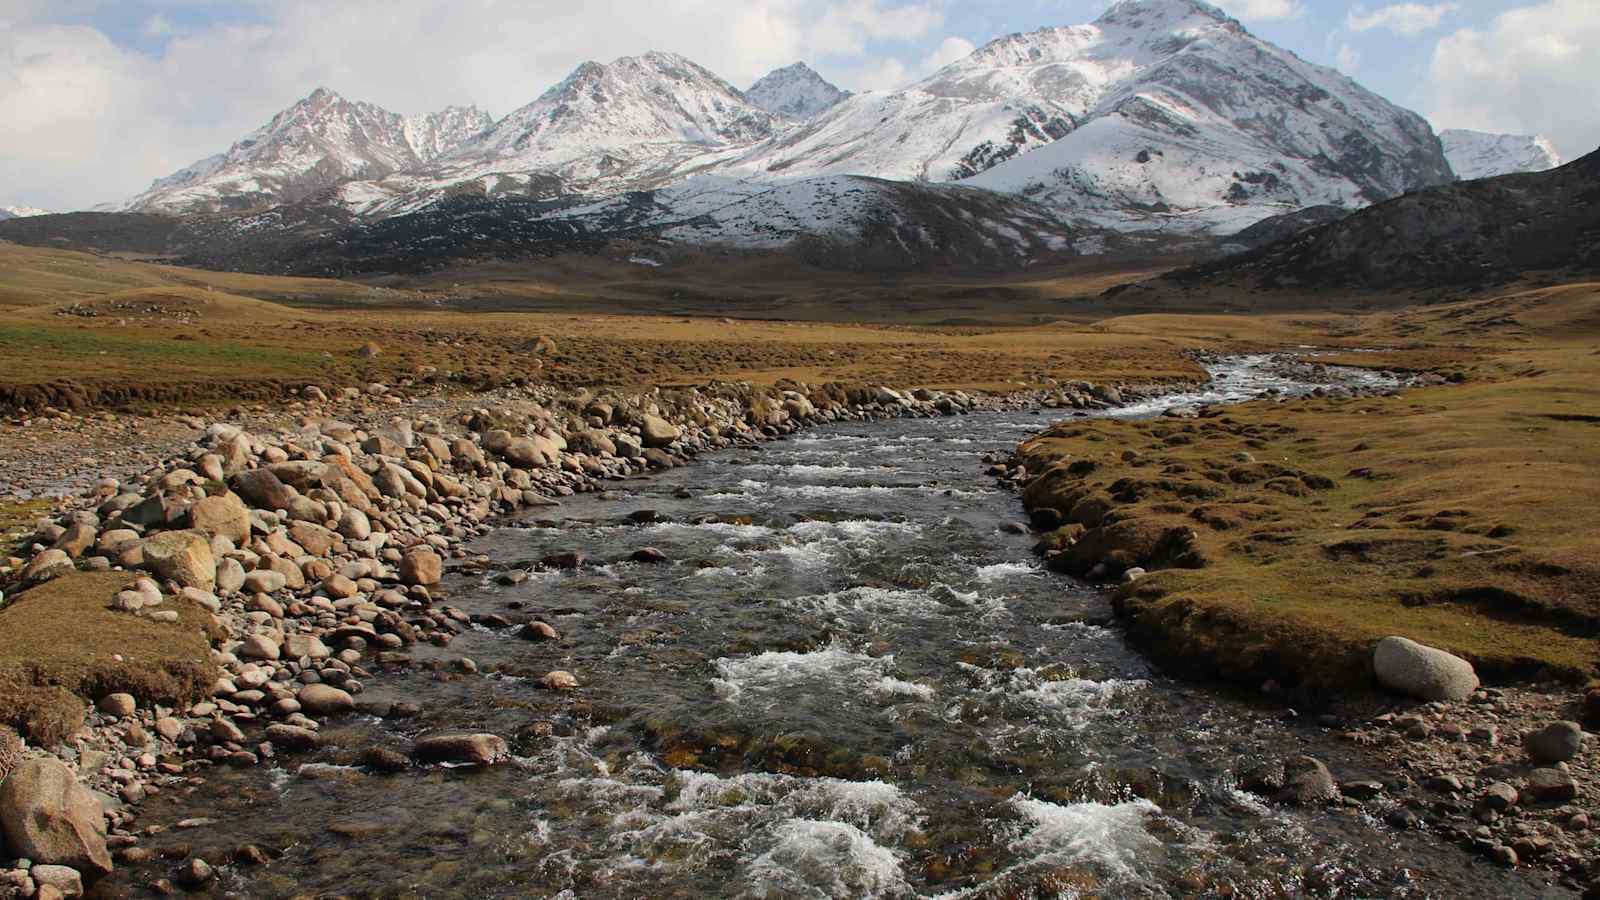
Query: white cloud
column 949, row 51
column 1348, row 58
column 1532, row 71
column 1401, row 18
column 88, row 120
column 1263, row 10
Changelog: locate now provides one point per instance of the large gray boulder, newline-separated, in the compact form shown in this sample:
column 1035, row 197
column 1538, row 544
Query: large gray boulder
column 1424, row 672
column 48, row 817
column 658, row 432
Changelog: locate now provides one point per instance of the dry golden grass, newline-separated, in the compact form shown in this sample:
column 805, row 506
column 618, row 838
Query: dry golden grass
column 61, row 647
column 1462, row 516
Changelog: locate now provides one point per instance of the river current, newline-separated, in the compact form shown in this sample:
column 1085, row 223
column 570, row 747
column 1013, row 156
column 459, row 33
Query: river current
column 849, row 678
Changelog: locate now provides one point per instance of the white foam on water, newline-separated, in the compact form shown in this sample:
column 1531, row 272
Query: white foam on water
column 808, row 470
column 865, row 600
column 852, row 529
column 771, row 678
column 1112, row 838
column 824, row 491
column 809, row 858
column 729, row 529
column 999, row 571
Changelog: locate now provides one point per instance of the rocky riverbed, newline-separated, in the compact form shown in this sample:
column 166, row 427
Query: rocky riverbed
column 341, row 556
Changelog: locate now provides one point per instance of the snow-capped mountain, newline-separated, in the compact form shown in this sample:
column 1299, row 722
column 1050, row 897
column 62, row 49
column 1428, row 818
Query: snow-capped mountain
column 795, row 92
column 21, row 212
column 636, row 123
column 1477, row 154
column 1160, row 114
column 432, row 135
column 318, row 143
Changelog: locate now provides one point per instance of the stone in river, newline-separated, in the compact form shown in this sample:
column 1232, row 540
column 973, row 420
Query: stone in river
column 323, row 700
column 466, row 749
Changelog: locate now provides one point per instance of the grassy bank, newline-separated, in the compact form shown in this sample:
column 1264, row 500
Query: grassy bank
column 1291, row 536
column 62, row 647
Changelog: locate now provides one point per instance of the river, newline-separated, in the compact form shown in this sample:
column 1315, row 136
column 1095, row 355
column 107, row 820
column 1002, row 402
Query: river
column 849, row 678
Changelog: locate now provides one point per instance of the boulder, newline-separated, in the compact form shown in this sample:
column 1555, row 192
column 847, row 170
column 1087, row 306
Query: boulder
column 78, row 537
column 118, row 706
column 658, row 432
column 1550, row 786
column 292, row 738
column 182, row 556
column 421, row 566
column 224, row 515
column 1306, row 780
column 462, row 749
column 57, row 881
column 1556, row 742
column 1424, row 672
column 262, row 490
column 520, row 451
column 325, row 700
column 48, row 817
column 47, row 565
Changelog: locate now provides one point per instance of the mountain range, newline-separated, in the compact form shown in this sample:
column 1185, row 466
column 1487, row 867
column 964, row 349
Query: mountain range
column 1161, row 117
column 21, row 212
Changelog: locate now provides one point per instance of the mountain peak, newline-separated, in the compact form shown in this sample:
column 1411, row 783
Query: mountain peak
column 795, row 92
column 1165, row 14
column 1478, row 154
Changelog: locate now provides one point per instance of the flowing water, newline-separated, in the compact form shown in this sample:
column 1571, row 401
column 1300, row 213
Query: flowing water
column 849, row 680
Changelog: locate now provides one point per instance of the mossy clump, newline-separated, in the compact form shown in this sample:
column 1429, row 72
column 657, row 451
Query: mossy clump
column 62, row 648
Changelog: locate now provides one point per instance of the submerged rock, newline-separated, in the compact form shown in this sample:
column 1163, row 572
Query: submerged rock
column 466, row 749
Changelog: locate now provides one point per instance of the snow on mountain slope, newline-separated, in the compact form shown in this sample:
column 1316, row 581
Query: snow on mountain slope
column 636, row 123
column 795, row 92
column 1160, row 114
column 1476, row 154
column 434, row 134
column 21, row 212
column 871, row 220
column 318, row 143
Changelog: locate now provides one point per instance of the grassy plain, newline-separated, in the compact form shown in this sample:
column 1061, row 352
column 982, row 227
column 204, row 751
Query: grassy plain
column 1462, row 515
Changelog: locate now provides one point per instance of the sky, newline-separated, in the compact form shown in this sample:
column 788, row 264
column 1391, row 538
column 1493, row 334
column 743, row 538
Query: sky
column 99, row 97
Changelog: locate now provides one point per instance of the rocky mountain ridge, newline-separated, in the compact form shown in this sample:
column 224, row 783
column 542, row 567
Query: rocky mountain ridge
column 1477, row 154
column 795, row 92
column 1161, row 116
column 21, row 212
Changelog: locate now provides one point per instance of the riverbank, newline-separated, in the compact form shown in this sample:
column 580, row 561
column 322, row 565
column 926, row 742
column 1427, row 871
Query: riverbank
column 308, row 554
column 1281, row 539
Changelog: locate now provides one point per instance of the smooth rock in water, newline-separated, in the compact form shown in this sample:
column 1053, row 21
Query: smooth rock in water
column 421, row 567
column 468, row 749
column 382, row 759
column 48, row 817
column 325, row 700
column 1421, row 671
column 539, row 631
column 1550, row 786
column 196, row 873
column 559, row 681
column 182, row 556
column 118, row 705
column 292, row 738
column 1556, row 742
column 1307, row 780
